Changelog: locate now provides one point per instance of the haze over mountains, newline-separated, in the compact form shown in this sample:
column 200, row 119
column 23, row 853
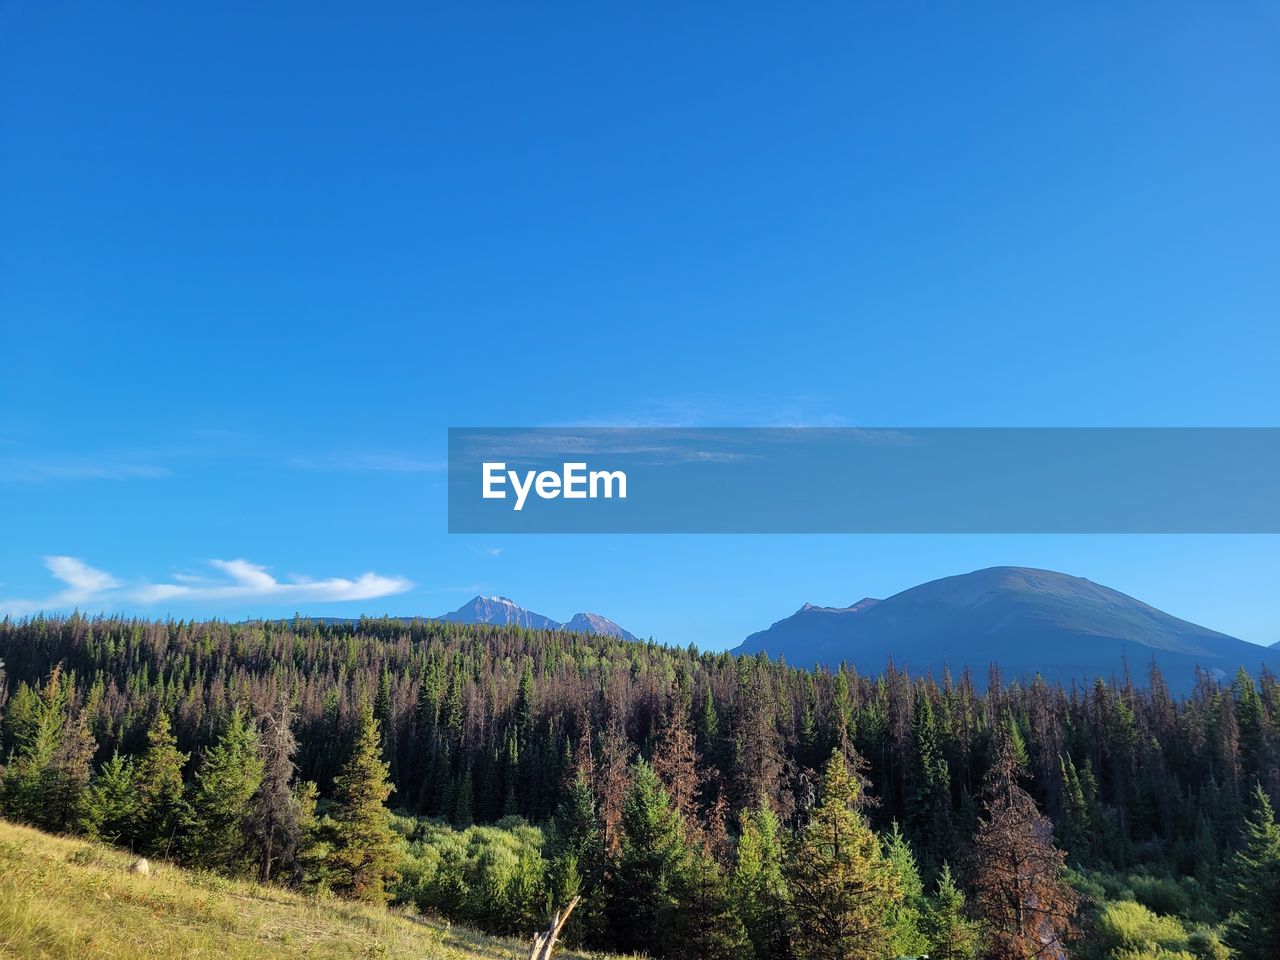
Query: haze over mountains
column 502, row 610
column 1027, row 621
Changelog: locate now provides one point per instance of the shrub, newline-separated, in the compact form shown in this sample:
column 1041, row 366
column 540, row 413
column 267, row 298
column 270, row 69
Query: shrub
column 491, row 877
column 1129, row 931
column 1160, row 894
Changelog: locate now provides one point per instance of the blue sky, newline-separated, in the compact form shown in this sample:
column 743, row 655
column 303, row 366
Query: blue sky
column 257, row 260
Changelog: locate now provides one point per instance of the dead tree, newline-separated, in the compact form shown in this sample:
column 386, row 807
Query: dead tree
column 545, row 943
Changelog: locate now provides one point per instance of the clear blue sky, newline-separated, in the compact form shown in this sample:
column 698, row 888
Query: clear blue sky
column 257, row 258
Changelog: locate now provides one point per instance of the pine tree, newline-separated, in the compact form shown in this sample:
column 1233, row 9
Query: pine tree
column 50, row 766
column 230, row 772
column 1253, row 930
column 705, row 924
column 1028, row 909
column 161, row 801
column 759, row 887
column 110, row 808
column 646, row 875
column 464, row 806
column 842, row 886
column 68, row 775
column 1076, row 827
column 575, row 851
column 364, row 852
column 904, row 915
column 950, row 934
column 929, row 799
column 309, row 868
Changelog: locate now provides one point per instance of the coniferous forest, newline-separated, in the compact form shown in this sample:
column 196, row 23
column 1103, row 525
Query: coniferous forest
column 699, row 805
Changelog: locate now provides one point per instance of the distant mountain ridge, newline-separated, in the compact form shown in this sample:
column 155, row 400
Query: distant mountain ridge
column 499, row 610
column 503, row 610
column 1027, row 621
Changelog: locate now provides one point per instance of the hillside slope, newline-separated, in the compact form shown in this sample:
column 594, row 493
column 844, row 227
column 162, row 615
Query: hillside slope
column 67, row 898
column 1028, row 621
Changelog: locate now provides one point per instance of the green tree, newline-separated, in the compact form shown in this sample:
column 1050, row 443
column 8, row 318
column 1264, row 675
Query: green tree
column 110, row 808
column 929, row 797
column 904, row 915
column 51, row 762
column 575, row 850
column 759, row 887
column 647, row 873
column 705, row 924
column 1253, row 930
column 842, row 886
column 364, row 853
column 950, row 934
column 162, row 805
column 217, row 833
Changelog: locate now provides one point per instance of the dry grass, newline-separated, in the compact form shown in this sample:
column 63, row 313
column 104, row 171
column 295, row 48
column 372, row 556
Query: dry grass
column 67, row 898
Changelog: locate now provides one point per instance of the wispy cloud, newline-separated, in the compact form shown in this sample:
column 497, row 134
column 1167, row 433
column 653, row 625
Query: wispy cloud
column 488, row 551
column 784, row 411
column 38, row 471
column 371, row 462
column 239, row 580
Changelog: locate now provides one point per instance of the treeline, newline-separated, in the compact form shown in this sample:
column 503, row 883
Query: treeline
column 694, row 800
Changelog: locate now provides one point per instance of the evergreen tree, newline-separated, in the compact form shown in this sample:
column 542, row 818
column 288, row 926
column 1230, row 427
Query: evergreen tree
column 646, row 876
column 309, row 868
column 842, row 886
column 464, row 805
column 929, row 799
column 1253, row 930
column 759, row 887
column 217, row 829
column 110, row 808
column 904, row 915
column 50, row 765
column 950, row 934
column 161, row 801
column 704, row 924
column 575, row 851
column 364, row 852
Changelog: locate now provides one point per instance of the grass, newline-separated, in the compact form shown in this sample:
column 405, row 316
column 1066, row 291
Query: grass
column 67, row 898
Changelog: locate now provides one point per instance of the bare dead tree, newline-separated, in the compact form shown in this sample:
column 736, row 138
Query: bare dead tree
column 544, row 944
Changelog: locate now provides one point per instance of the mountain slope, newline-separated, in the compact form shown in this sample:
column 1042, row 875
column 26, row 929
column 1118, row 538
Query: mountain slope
column 1025, row 620
column 499, row 610
column 596, row 624
column 65, row 898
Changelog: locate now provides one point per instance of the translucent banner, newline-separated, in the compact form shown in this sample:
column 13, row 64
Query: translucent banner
column 844, row 480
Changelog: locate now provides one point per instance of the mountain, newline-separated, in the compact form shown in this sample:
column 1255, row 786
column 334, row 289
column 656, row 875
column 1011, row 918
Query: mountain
column 499, row 610
column 594, row 623
column 1027, row 621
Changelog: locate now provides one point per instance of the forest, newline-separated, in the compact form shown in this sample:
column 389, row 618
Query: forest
column 699, row 805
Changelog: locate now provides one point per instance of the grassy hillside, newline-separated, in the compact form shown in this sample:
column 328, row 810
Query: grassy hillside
column 62, row 897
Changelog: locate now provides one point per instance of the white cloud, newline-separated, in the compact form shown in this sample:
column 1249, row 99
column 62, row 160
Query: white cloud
column 240, row 581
